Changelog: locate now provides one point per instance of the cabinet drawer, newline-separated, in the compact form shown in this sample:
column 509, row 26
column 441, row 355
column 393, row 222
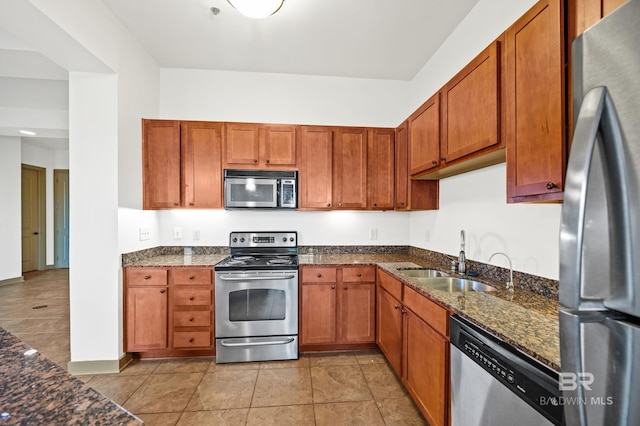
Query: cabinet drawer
column 319, row 275
column 192, row 297
column 351, row 274
column 392, row 285
column 192, row 319
column 191, row 339
column 432, row 313
column 191, row 275
column 146, row 276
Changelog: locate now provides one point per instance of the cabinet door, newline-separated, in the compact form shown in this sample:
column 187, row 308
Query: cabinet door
column 318, row 313
column 278, row 146
column 241, row 145
column 161, row 163
column 202, row 164
column 315, row 168
column 585, row 13
column 402, row 168
column 426, row 355
column 389, row 336
column 357, row 313
column 350, row 168
column 535, row 115
column 381, row 169
column 146, row 318
column 471, row 107
column 424, row 136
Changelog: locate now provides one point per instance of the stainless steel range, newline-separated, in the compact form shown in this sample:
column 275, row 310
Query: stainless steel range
column 257, row 298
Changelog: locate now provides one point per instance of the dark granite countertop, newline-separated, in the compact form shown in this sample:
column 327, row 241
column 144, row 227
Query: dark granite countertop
column 526, row 320
column 36, row 391
column 523, row 319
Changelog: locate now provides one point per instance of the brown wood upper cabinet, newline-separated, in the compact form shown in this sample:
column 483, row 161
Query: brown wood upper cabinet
column 424, row 137
column 585, row 13
column 470, row 106
column 315, row 158
column 350, row 168
column 181, row 164
column 535, row 99
column 259, row 146
column 381, row 168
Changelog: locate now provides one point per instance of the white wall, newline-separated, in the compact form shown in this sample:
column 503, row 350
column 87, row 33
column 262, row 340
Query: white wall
column 10, row 217
column 280, row 98
column 49, row 160
column 476, row 201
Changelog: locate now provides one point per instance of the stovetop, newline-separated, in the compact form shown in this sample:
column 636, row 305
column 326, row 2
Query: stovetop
column 261, row 250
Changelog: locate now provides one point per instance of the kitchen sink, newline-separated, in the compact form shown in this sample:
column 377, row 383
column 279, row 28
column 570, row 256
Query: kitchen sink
column 421, row 272
column 451, row 284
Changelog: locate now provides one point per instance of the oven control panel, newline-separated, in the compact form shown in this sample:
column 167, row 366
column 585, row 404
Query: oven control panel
column 263, row 239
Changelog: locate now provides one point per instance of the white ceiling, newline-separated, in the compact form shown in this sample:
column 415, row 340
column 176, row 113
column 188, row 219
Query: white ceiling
column 345, row 38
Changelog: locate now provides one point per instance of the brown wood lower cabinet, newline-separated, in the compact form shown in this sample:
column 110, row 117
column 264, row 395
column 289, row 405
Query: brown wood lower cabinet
column 337, row 307
column 169, row 311
column 413, row 335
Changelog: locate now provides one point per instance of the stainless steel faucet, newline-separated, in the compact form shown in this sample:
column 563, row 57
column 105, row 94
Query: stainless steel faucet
column 510, row 283
column 462, row 260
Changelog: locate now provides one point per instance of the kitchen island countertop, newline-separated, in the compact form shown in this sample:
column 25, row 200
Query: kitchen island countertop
column 36, row 391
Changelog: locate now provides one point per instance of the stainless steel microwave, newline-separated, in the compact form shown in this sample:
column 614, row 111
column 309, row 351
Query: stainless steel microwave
column 260, row 189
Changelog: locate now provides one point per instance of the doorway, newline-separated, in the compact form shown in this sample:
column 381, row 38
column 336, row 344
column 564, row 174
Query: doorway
column 33, row 218
column 61, row 217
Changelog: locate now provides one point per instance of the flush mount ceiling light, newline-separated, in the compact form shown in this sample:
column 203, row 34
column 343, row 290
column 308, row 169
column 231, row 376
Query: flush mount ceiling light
column 256, row 9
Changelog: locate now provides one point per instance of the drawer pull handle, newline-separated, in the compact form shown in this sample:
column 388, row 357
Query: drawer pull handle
column 191, row 298
column 146, row 277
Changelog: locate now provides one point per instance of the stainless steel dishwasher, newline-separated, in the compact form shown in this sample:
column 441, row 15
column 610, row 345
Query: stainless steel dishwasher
column 492, row 383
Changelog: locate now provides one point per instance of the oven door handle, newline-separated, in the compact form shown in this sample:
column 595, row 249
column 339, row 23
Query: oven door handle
column 264, row 343
column 256, row 277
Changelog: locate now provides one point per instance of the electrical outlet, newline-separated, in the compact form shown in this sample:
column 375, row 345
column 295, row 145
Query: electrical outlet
column 145, row 234
column 426, row 235
column 373, row 234
column 177, row 233
column 196, row 234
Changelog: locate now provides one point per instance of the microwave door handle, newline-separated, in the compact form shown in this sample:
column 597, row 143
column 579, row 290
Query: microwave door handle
column 256, row 277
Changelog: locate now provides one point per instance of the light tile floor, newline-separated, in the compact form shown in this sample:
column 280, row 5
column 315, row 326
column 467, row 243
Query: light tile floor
column 347, row 388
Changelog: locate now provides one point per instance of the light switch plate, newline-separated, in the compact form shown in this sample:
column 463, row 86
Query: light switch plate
column 177, row 233
column 196, row 234
column 373, row 233
column 145, row 234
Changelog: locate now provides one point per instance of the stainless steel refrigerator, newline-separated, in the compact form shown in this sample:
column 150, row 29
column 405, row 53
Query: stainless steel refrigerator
column 600, row 229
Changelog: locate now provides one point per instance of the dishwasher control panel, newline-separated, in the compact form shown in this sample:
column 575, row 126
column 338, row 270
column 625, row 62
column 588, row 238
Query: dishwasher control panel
column 532, row 381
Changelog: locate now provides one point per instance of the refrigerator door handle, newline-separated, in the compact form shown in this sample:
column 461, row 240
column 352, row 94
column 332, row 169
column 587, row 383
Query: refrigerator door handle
column 597, row 114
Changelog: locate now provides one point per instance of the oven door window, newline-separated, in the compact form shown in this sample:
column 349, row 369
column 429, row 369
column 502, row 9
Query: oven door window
column 257, row 305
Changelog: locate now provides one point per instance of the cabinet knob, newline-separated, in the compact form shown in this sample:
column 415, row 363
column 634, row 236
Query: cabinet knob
column 333, row 287
column 328, row 204
column 191, row 204
column 191, row 277
column 255, row 161
column 550, row 185
column 146, row 277
column 443, row 159
column 267, row 161
column 434, row 162
column 403, row 312
column 396, row 307
column 319, row 275
column 191, row 298
column 345, row 287
column 191, row 340
column 375, row 204
column 359, row 275
column 191, row 319
column 162, row 291
column 175, row 204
